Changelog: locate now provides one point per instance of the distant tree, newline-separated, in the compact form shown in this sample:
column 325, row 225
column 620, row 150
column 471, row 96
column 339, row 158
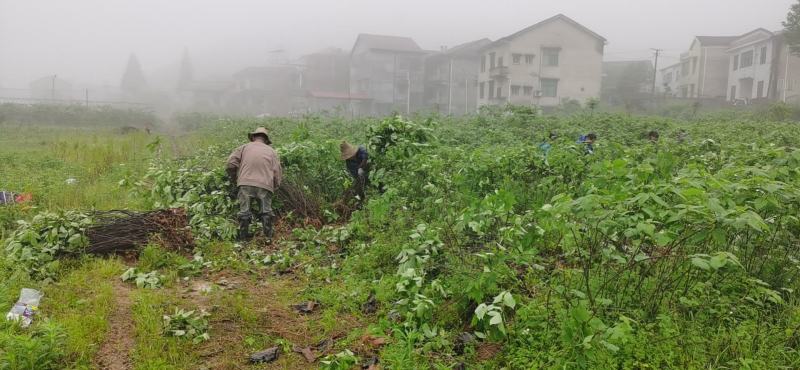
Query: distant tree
column 633, row 84
column 133, row 81
column 186, row 74
column 592, row 104
column 792, row 28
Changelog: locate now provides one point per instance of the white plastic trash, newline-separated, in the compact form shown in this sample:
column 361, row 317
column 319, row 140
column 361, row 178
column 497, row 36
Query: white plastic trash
column 26, row 307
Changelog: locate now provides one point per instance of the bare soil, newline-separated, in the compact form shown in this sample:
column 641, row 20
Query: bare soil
column 268, row 300
column 115, row 352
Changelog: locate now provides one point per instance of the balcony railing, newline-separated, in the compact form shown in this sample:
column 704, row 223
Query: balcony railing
column 499, row 72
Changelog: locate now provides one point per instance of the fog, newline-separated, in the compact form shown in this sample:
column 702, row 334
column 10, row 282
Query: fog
column 89, row 41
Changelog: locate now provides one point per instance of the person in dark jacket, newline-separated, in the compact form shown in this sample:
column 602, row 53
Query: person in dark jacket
column 356, row 161
column 588, row 142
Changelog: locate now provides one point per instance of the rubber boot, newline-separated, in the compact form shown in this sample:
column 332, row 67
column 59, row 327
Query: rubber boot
column 244, row 228
column 266, row 223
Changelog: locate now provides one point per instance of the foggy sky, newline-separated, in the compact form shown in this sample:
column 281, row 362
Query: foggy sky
column 89, row 41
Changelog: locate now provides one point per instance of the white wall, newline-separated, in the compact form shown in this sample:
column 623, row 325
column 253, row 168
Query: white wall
column 579, row 71
column 757, row 72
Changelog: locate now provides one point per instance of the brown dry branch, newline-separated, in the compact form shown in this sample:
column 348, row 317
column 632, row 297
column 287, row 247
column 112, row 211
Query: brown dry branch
column 296, row 200
column 121, row 230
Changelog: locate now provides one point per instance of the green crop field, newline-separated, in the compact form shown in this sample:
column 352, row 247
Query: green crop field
column 475, row 248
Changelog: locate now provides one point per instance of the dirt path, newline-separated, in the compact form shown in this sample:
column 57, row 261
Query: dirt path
column 115, row 352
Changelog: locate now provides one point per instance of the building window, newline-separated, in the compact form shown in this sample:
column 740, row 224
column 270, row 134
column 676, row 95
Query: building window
column 735, row 62
column 491, row 60
column 481, row 89
column 499, row 92
column 550, row 56
column 733, row 92
column 685, row 68
column 514, row 90
column 516, row 58
column 491, row 89
column 764, row 55
column 483, row 63
column 528, row 58
column 500, row 61
column 527, row 90
column 668, row 77
column 549, row 87
column 746, row 59
column 694, row 65
column 760, row 90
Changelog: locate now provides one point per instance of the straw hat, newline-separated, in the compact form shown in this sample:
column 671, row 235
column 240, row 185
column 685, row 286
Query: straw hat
column 348, row 150
column 258, row 131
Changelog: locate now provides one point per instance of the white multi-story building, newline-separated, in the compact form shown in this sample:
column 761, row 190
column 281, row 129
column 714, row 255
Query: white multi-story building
column 670, row 81
column 704, row 72
column 762, row 66
column 549, row 62
column 751, row 69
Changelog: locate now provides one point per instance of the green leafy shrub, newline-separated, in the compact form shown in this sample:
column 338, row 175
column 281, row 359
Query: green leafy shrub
column 41, row 348
column 35, row 246
column 343, row 360
column 150, row 280
column 187, row 324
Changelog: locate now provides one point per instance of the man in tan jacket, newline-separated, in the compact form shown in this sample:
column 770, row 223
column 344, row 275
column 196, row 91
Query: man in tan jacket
column 256, row 170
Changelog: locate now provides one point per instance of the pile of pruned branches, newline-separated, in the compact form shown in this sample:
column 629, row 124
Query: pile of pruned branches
column 120, row 230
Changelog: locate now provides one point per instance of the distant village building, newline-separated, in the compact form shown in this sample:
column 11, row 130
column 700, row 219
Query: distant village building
column 751, row 72
column 273, row 90
column 325, row 80
column 208, row 96
column 704, row 68
column 624, row 81
column 671, row 81
column 787, row 72
column 762, row 67
column 552, row 61
column 451, row 78
column 51, row 88
column 389, row 71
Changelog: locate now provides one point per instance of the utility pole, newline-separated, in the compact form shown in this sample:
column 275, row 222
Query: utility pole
column 53, row 89
column 655, row 69
column 394, row 82
column 466, row 96
column 408, row 93
column 450, row 90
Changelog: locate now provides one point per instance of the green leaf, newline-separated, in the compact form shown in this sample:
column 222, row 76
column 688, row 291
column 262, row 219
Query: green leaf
column 508, row 300
column 718, row 261
column 609, row 346
column 646, row 228
column 701, row 263
column 497, row 318
column 481, row 311
column 580, row 313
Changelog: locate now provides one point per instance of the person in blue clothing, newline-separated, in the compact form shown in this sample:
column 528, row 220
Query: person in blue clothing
column 356, row 160
column 546, row 145
column 588, row 142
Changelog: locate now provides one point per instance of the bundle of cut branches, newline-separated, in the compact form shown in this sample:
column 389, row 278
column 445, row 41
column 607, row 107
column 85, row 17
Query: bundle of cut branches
column 295, row 199
column 121, row 230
